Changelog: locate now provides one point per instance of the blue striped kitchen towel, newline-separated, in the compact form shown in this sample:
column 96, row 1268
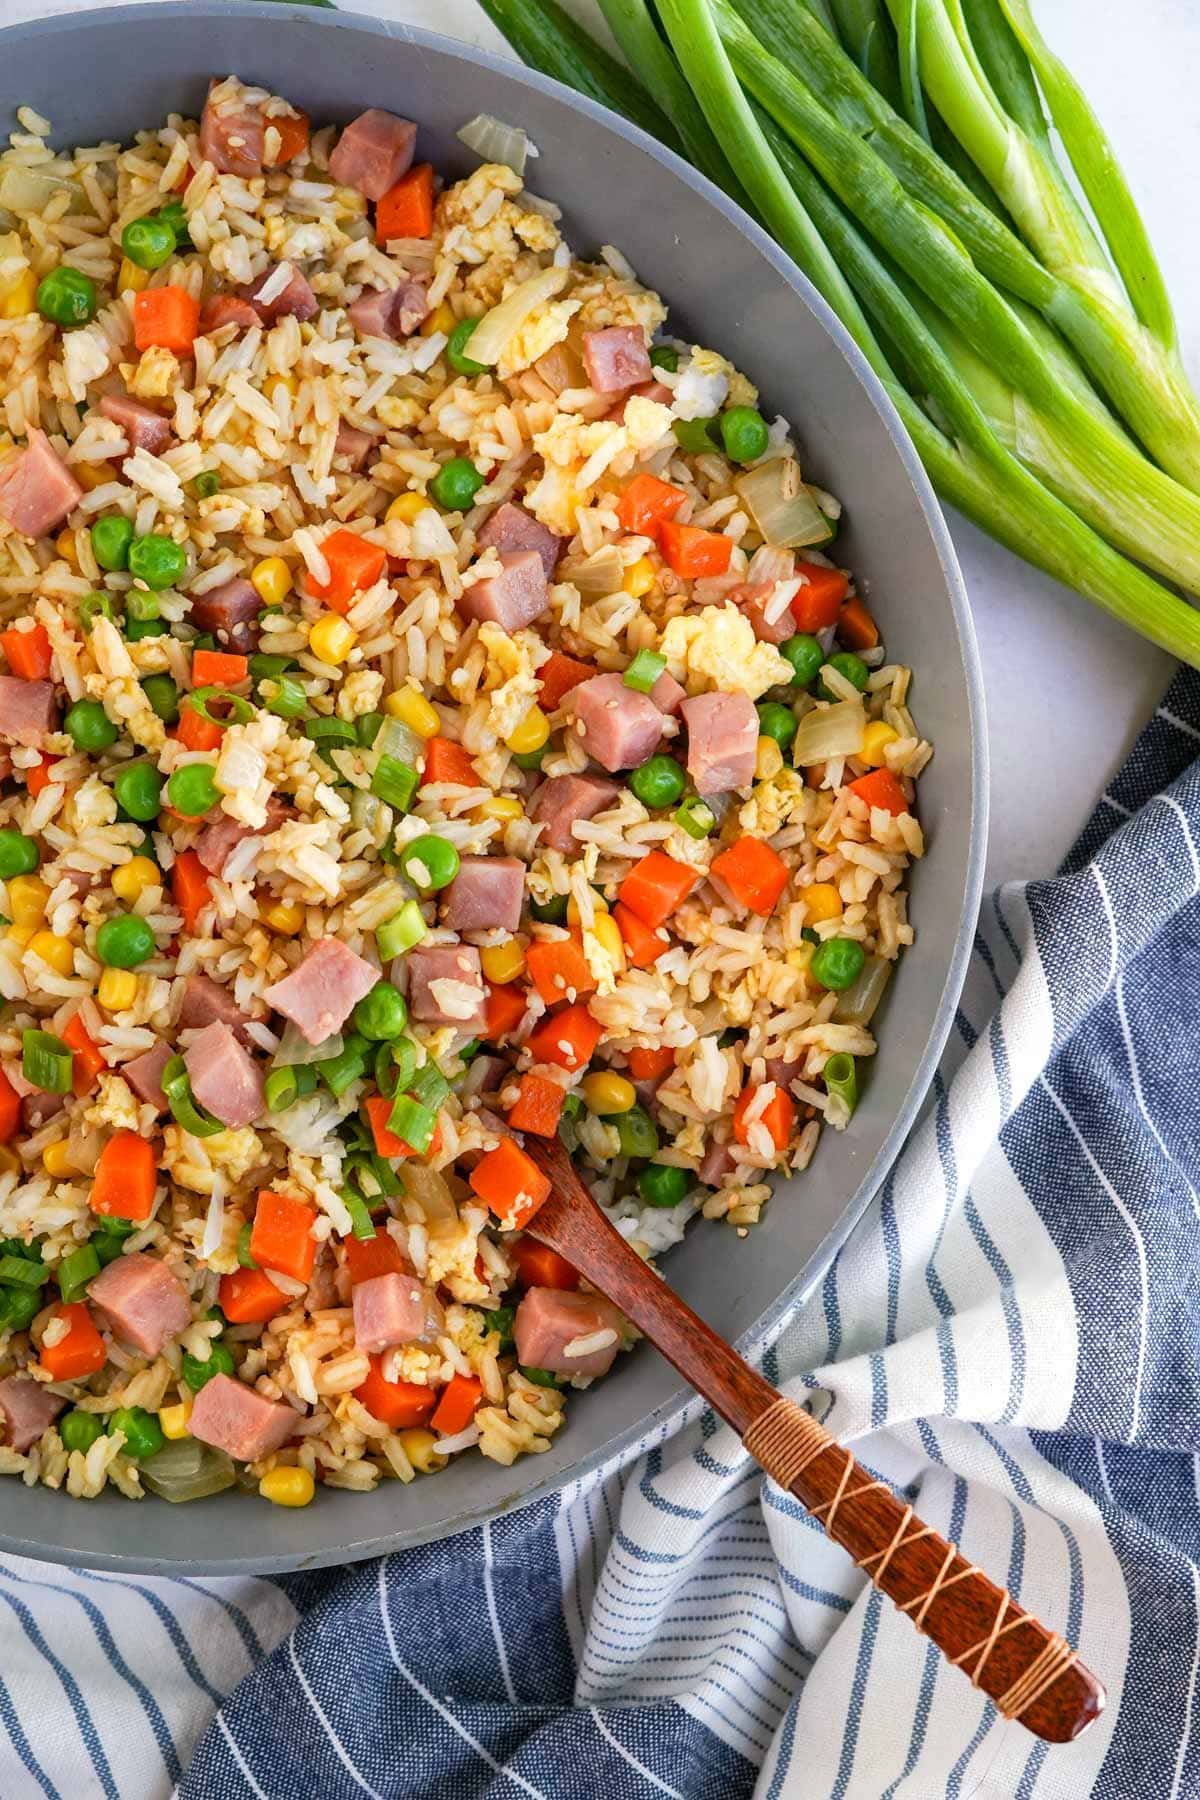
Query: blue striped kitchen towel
column 1010, row 1336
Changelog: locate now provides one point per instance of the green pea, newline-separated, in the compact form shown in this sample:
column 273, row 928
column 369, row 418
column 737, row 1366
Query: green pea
column 79, row 1430
column 163, row 696
column 530, row 759
column 149, row 242
column 381, row 1015
column 174, row 214
column 140, row 605
column 501, row 1319
column 138, row 787
column 90, row 727
column 661, row 1185
column 143, row 1433
column 744, row 434
column 19, row 855
column 778, row 722
column 697, row 436
column 658, row 782
column 124, row 941
column 549, row 912
column 192, row 790
column 852, row 667
column 430, row 863
column 805, row 655
column 196, row 1373
column 662, row 356
column 136, row 629
column 157, row 560
column 637, row 1132
column 66, row 297
column 111, row 538
column 837, row 963
column 19, row 1306
column 456, row 356
column 456, row 484
column 207, row 483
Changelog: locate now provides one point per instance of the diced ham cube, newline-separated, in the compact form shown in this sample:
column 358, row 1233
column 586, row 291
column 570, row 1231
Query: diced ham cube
column 722, row 741
column 37, row 1108
column 548, row 1319
column 144, row 428
column 510, row 527
column 295, row 300
column 206, row 1002
column 144, row 1074
column 647, row 390
column 752, row 599
column 229, row 612
column 782, row 1071
column 232, row 1417
column 217, row 842
column 28, row 711
column 620, row 728
column 37, row 490
column 226, row 309
column 142, row 1300
column 231, row 137
column 616, row 358
column 561, row 367
column 513, row 598
column 225, row 1077
column 28, row 1408
column 373, row 152
column 323, row 991
column 717, row 1161
column 390, row 312
column 353, row 444
column 562, row 799
column 445, row 986
column 485, row 895
column 393, row 1309
column 668, row 695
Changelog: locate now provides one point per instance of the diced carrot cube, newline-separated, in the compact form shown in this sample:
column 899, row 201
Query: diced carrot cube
column 559, row 969
column 250, row 1297
column 538, row 1106
column 456, row 1408
column 881, row 789
column 447, row 761
column 353, row 565
column 654, row 887
column 567, row 1038
column 693, row 553
column 281, row 1236
column 81, row 1352
column 406, row 210
column 815, row 606
column 558, row 675
column 165, row 318
column 646, row 503
column 510, row 1182
column 399, row 1404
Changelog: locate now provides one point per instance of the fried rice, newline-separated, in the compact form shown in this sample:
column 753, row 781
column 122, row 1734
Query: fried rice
column 398, row 568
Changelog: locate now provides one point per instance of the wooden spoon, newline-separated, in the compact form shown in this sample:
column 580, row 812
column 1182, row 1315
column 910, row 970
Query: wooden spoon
column 1032, row 1674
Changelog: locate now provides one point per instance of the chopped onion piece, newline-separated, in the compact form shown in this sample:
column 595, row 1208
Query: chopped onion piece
column 856, row 1004
column 829, row 731
column 497, row 142
column 294, row 1047
column 780, row 505
column 30, row 190
column 600, row 574
column 214, row 1223
column 462, row 1440
column 187, row 1470
column 397, row 739
column 430, row 1190
column 494, row 331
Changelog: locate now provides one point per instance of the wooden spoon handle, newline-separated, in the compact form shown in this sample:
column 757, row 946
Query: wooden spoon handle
column 1030, row 1673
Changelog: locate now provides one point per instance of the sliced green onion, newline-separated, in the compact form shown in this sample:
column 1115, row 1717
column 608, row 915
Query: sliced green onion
column 329, row 734
column 695, row 816
column 244, row 1256
column 637, row 1132
column 95, row 606
column 18, row 1271
column 399, row 933
column 289, row 699
column 360, row 1218
column 394, row 783
column 75, row 1271
column 185, row 1108
column 395, row 1066
column 266, row 667
column 644, row 671
column 412, row 1123
column 46, row 1062
column 240, row 711
column 339, row 1072
column 429, row 1087
column 284, row 1086
column 841, row 1078
column 368, row 728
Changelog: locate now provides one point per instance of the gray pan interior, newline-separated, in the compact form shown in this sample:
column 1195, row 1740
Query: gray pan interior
column 104, row 74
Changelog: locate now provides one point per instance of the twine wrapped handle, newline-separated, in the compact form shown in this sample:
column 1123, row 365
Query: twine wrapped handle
column 1032, row 1674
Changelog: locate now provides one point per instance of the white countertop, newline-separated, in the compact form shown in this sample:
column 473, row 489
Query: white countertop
column 1067, row 688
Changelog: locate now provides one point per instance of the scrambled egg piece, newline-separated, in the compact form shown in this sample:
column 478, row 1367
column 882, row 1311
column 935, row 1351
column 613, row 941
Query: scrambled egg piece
column 115, row 1107
column 612, row 301
column 241, row 772
column 646, row 421
column 470, row 227
column 510, row 677
column 718, row 649
column 155, row 376
column 115, row 683
column 544, row 328
column 576, row 453
column 85, row 358
column 234, row 1153
column 773, row 804
column 452, row 1252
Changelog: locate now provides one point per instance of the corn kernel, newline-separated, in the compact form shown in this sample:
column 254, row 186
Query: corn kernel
column 287, row 1487
column 639, row 577
column 91, row 475
column 503, row 963
column 21, row 934
column 117, row 990
column 289, row 384
column 875, row 738
column 418, row 1447
column 332, row 639
column 57, row 952
column 285, row 918
column 131, row 279
column 27, row 897
column 409, row 705
column 606, row 1093
column 599, row 905
column 608, row 934
column 768, row 759
column 56, row 1160
column 10, row 1162
column 531, row 733
column 272, row 580
column 174, row 1420
column 64, row 543
column 504, row 807
column 131, row 880
column 21, row 297
column 406, row 507
column 440, row 319
column 822, row 901
column 801, row 957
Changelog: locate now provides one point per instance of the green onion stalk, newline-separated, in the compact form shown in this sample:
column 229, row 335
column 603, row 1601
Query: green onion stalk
column 1096, row 467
